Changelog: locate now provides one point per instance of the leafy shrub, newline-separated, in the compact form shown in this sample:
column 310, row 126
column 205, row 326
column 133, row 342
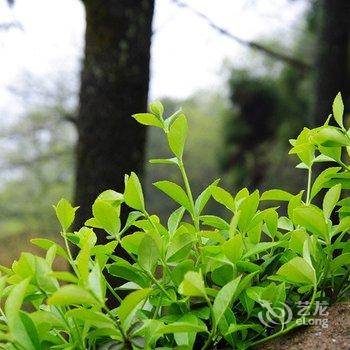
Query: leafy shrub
column 197, row 281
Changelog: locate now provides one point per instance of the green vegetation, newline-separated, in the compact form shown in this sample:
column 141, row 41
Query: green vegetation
column 198, row 280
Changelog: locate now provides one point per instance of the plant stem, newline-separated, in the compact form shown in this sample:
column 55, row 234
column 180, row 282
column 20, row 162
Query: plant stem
column 70, row 257
column 189, row 193
column 308, row 191
column 110, row 288
column 213, row 328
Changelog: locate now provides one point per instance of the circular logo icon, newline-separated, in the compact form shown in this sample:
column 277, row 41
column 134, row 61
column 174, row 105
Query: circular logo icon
column 275, row 315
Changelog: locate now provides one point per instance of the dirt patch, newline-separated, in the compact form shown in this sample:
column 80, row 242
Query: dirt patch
column 335, row 337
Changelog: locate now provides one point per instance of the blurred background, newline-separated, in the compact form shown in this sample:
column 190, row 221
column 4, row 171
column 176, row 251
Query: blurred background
column 249, row 74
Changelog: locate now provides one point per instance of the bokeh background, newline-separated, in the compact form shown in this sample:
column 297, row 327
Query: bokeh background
column 249, row 74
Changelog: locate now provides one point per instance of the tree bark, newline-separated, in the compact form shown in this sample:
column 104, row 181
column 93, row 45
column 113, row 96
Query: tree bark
column 332, row 57
column 114, row 85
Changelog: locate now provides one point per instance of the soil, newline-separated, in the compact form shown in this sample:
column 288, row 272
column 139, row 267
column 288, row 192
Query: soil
column 335, row 337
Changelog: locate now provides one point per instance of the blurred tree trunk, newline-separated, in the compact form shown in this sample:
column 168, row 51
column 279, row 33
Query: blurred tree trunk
column 114, row 85
column 332, row 56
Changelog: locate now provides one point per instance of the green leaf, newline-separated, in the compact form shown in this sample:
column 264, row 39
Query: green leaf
column 223, row 197
column 192, row 285
column 175, row 219
column 107, row 215
column 65, row 213
column 133, row 194
column 295, row 201
column 47, row 244
column 157, row 108
column 44, row 282
column 126, row 311
column 233, row 328
column 276, row 195
column 148, row 253
column 304, row 149
column 187, row 338
column 175, row 192
column 64, row 276
column 112, row 197
column 97, row 283
column 261, row 247
column 131, row 273
column 322, row 179
column 312, row 219
column 330, row 200
column 224, row 297
column 181, row 327
column 338, row 110
column 179, row 271
column 297, row 239
column 13, row 305
column 148, row 119
column 204, row 197
column 95, row 317
column 214, row 221
column 271, row 220
column 298, row 271
column 339, row 261
column 131, row 243
column 71, row 295
column 177, row 135
column 180, row 246
column 248, row 208
column 331, row 137
column 31, row 331
column 233, row 248
column 82, row 262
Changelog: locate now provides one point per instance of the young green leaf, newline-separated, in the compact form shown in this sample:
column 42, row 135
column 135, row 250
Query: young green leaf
column 127, row 309
column 223, row 197
column 97, row 283
column 175, row 192
column 177, row 135
column 233, row 248
column 12, row 311
column 175, row 219
column 298, row 271
column 192, row 285
column 133, row 194
column 338, row 110
column 312, row 219
column 320, row 181
column 181, row 327
column 157, row 108
column 71, row 295
column 65, row 213
column 180, row 247
column 107, row 215
column 330, row 200
column 276, row 195
column 148, row 253
column 148, row 119
column 248, row 208
column 224, row 297
column 131, row 243
column 204, row 197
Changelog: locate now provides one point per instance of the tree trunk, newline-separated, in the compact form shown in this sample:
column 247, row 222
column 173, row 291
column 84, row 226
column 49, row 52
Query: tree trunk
column 332, row 57
column 114, row 85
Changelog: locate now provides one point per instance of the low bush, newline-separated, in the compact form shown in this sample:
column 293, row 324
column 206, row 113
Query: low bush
column 198, row 281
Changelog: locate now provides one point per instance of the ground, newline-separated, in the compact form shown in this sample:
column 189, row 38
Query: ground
column 335, row 337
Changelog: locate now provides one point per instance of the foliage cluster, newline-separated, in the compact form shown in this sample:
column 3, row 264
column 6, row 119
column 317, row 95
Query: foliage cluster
column 197, row 281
